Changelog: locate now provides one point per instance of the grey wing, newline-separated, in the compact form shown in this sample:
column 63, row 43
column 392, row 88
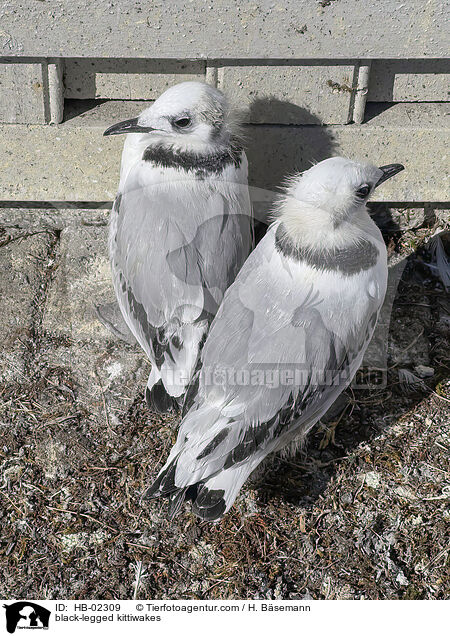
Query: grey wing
column 213, row 258
column 173, row 251
column 273, row 363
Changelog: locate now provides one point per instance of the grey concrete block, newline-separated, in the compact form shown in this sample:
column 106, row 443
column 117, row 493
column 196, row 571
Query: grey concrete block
column 289, row 94
column 276, row 151
column 409, row 81
column 22, row 260
column 52, row 218
column 82, row 280
column 22, row 93
column 108, row 374
column 406, row 116
column 101, row 113
column 218, row 29
column 31, row 91
column 126, row 79
column 362, row 89
column 64, row 163
column 55, row 91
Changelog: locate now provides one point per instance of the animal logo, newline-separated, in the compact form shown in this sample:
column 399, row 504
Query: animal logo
column 26, row 615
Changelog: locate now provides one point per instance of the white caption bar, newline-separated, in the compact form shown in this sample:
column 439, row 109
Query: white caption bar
column 156, row 617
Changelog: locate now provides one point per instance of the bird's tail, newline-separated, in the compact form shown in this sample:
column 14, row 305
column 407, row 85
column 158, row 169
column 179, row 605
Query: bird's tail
column 156, row 396
column 211, row 498
column 166, row 385
column 159, row 400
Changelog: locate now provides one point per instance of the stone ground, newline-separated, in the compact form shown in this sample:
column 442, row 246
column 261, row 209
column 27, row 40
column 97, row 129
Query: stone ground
column 361, row 512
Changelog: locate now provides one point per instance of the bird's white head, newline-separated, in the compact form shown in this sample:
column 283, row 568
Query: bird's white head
column 331, row 194
column 187, row 116
column 340, row 186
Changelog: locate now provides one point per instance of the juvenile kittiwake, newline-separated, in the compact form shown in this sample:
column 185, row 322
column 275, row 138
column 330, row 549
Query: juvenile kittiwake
column 288, row 338
column 180, row 228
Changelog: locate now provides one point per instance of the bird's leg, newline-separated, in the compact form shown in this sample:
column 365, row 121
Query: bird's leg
column 332, row 418
column 329, row 435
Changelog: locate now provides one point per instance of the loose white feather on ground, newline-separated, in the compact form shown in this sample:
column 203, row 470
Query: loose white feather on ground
column 180, row 228
column 288, row 338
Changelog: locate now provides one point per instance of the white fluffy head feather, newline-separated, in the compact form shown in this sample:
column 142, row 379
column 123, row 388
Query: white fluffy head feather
column 326, row 205
column 336, row 185
column 191, row 116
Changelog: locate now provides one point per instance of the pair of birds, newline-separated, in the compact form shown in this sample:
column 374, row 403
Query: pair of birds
column 256, row 345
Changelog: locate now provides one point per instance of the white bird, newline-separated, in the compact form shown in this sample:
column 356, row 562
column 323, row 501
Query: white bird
column 180, row 228
column 288, row 338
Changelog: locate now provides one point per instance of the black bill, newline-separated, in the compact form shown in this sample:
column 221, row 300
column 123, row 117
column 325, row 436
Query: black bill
column 127, row 126
column 388, row 172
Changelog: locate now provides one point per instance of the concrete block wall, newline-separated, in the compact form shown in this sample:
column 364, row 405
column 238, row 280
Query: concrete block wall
column 326, row 90
column 312, row 79
column 409, row 81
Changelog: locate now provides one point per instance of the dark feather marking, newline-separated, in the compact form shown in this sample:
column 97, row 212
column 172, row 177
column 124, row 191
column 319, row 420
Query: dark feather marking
column 117, row 203
column 175, row 340
column 155, row 336
column 191, row 393
column 347, row 260
column 209, row 504
column 168, row 483
column 225, row 218
column 256, row 436
column 372, row 322
column 166, row 157
column 159, row 400
column 116, row 210
column 176, row 500
column 214, row 443
column 201, row 344
column 164, row 484
column 191, row 492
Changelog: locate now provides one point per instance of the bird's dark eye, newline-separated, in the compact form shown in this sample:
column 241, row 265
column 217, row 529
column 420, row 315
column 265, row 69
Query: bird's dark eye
column 363, row 191
column 183, row 122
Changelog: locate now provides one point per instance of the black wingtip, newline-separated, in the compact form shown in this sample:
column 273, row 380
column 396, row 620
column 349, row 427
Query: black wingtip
column 152, row 492
column 164, row 484
column 209, row 505
column 159, row 400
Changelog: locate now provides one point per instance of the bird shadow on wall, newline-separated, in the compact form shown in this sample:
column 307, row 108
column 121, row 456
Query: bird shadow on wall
column 416, row 341
column 290, row 140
